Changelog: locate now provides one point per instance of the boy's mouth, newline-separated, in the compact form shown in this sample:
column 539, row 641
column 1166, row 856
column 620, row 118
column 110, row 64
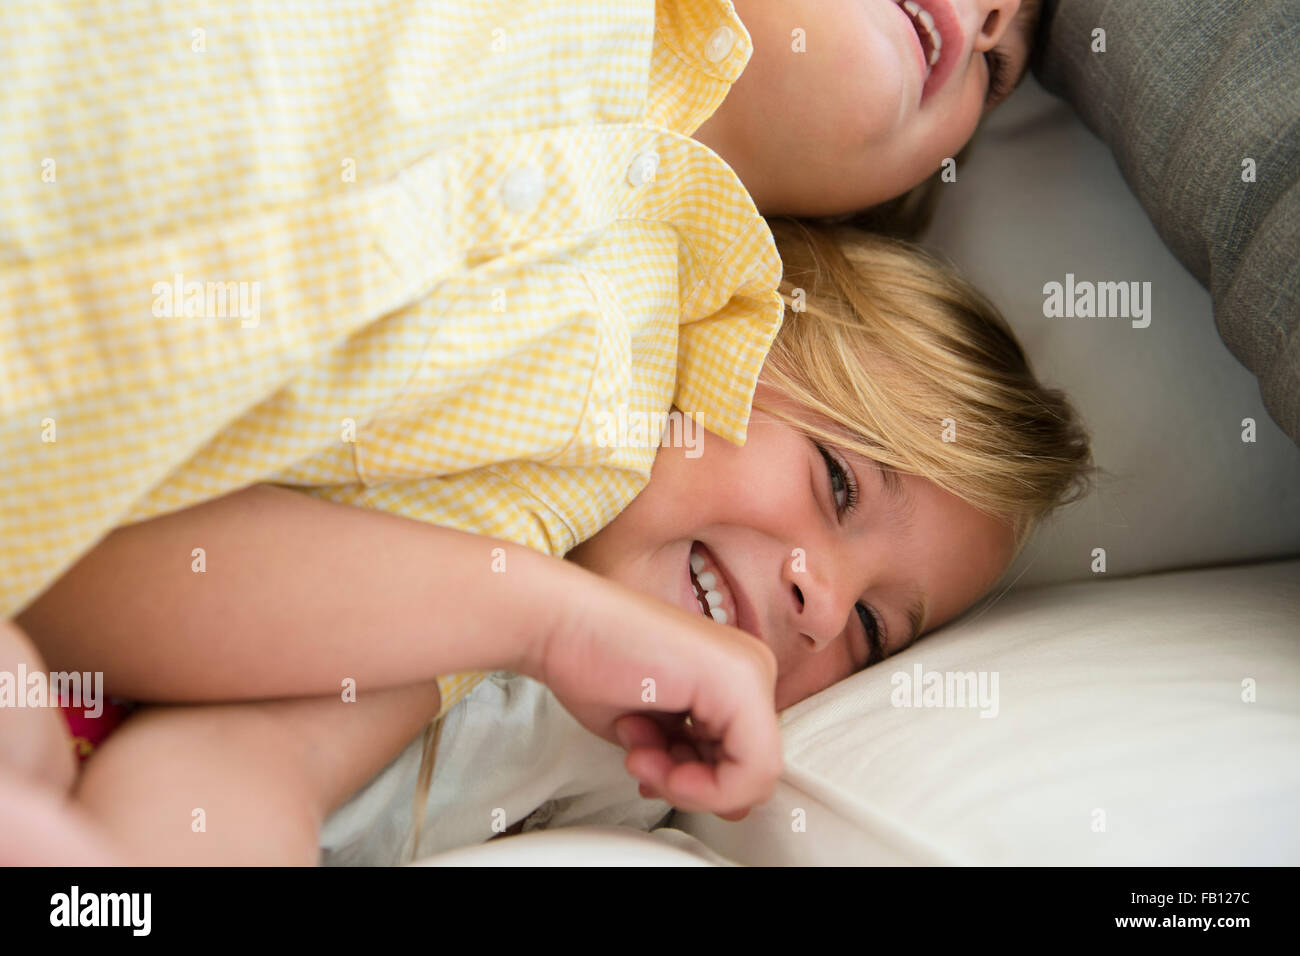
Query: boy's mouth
column 940, row 36
column 931, row 38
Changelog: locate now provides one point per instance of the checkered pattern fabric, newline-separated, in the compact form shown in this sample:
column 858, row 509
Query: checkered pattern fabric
column 397, row 254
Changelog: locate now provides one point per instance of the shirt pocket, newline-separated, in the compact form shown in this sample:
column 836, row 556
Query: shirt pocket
column 506, row 372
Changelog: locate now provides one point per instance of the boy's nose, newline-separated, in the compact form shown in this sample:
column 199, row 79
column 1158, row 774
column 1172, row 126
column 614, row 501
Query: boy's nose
column 995, row 18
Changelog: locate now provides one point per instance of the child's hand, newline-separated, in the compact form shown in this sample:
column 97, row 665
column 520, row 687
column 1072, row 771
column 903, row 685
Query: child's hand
column 633, row 669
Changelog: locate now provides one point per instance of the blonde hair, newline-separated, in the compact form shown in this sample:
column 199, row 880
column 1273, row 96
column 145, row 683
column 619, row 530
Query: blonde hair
column 423, row 781
column 899, row 352
column 886, row 343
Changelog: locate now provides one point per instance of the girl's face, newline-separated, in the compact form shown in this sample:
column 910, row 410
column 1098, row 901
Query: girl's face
column 860, row 115
column 828, row 590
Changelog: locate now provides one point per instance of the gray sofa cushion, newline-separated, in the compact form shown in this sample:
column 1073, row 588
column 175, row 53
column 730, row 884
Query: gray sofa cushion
column 1183, row 95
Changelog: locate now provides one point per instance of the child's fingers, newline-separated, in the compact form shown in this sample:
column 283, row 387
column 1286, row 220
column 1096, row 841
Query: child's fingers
column 664, row 782
column 635, row 731
column 706, row 747
column 682, row 751
column 736, row 816
column 647, row 750
column 698, row 787
column 649, row 765
column 685, row 766
column 666, row 776
column 657, row 733
column 749, row 757
column 649, row 793
column 654, row 766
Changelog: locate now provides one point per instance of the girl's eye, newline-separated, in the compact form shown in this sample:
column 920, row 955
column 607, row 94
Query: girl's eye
column 842, row 482
column 999, row 77
column 871, row 622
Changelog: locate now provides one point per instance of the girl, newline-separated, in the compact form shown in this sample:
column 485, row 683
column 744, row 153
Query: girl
column 898, row 455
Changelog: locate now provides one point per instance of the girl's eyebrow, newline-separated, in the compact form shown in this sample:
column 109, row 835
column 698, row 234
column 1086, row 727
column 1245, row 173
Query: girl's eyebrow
column 893, row 485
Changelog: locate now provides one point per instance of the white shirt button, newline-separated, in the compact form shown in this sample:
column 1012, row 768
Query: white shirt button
column 523, row 188
column 720, row 44
column 643, row 168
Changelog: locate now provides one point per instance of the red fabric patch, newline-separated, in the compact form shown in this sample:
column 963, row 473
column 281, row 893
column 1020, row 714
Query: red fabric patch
column 89, row 732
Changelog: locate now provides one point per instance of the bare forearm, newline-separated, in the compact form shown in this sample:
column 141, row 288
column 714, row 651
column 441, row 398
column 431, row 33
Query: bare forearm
column 202, row 785
column 243, row 784
column 296, row 595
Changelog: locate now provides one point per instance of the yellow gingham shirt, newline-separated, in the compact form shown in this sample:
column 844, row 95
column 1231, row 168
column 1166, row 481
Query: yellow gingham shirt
column 456, row 236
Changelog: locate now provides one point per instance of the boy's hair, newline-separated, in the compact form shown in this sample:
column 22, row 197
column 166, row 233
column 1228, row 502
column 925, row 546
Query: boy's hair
column 901, row 353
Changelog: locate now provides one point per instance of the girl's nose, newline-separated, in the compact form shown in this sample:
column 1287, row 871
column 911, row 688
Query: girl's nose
column 818, row 615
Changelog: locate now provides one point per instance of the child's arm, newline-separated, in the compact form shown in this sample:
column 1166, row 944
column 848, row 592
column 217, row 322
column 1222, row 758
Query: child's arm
column 34, row 741
column 300, row 594
column 243, row 784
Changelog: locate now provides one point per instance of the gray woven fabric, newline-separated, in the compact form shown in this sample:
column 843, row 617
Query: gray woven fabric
column 1185, row 92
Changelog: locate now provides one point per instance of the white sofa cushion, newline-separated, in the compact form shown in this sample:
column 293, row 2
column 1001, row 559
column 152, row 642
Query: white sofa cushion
column 1041, row 197
column 1123, row 696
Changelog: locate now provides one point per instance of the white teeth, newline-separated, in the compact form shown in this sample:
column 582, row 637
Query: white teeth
column 925, row 21
column 707, row 590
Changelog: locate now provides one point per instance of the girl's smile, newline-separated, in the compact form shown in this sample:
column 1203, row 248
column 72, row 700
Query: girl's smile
column 715, row 593
column 809, row 549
